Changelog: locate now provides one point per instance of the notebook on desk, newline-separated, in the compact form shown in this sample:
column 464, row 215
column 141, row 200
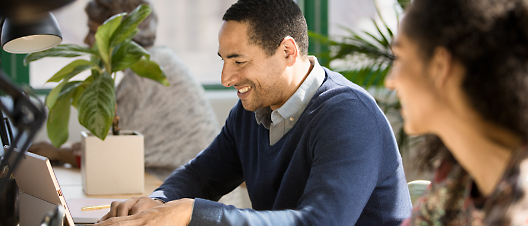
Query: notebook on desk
column 41, row 193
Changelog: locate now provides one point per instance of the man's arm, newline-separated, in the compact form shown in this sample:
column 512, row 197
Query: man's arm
column 213, row 173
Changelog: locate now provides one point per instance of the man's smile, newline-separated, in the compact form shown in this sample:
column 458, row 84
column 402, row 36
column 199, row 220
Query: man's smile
column 245, row 89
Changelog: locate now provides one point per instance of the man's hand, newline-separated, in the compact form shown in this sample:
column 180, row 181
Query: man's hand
column 130, row 207
column 176, row 212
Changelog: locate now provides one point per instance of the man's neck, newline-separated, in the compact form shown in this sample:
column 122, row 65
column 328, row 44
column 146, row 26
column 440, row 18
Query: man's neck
column 302, row 71
column 299, row 72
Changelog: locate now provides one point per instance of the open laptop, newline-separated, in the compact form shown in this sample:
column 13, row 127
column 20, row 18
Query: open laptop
column 40, row 192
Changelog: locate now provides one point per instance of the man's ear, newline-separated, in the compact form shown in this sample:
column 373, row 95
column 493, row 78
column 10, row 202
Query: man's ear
column 290, row 49
column 441, row 67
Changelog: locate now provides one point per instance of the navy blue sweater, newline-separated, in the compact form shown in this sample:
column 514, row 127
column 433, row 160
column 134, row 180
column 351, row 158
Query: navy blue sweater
column 338, row 165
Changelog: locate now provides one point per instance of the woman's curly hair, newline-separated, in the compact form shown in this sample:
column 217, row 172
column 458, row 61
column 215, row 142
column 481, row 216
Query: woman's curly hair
column 490, row 39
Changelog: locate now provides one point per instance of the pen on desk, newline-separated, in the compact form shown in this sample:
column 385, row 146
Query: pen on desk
column 95, row 207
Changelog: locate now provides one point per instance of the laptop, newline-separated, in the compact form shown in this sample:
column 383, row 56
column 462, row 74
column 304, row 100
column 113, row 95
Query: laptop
column 41, row 193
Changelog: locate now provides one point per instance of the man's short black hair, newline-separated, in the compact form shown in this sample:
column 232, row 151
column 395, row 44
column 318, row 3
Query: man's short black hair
column 270, row 21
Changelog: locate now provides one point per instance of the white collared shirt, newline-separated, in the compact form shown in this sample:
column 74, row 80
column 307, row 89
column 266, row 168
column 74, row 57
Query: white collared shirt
column 285, row 117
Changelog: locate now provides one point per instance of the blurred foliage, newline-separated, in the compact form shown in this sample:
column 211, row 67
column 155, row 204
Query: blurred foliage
column 365, row 58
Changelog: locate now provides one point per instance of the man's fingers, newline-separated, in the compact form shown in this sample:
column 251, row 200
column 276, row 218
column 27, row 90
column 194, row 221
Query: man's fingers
column 119, row 208
column 124, row 207
column 121, row 221
column 142, row 204
column 129, row 207
column 111, row 213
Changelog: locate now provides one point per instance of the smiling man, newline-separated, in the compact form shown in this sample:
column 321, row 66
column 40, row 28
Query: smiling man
column 312, row 147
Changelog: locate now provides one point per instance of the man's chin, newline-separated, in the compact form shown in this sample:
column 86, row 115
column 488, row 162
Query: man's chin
column 249, row 106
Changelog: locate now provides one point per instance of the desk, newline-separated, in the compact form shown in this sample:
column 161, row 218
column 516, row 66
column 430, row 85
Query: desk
column 70, row 182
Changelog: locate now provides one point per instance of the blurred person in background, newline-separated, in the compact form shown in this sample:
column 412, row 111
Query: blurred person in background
column 461, row 73
column 177, row 121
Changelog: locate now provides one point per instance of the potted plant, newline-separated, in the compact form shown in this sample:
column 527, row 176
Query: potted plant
column 95, row 100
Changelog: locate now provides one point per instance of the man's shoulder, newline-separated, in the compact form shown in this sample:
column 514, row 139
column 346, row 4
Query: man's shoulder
column 336, row 88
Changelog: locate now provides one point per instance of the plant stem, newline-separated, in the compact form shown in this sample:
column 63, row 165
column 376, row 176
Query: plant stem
column 115, row 123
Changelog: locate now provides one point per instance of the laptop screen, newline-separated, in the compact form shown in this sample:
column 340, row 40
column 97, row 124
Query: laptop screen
column 38, row 184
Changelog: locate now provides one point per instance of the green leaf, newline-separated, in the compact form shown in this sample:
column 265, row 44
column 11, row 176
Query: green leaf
column 97, row 106
column 404, row 3
column 58, row 119
column 54, row 95
column 128, row 27
column 59, row 115
column 80, row 89
column 70, row 87
column 150, row 69
column 65, row 73
column 384, row 23
column 370, row 75
column 385, row 42
column 104, row 34
column 127, row 54
column 76, row 94
column 71, row 70
column 68, row 50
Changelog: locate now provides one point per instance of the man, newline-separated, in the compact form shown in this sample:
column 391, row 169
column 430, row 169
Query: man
column 313, row 148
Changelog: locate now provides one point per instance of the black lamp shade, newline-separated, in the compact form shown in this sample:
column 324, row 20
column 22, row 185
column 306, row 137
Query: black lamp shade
column 33, row 36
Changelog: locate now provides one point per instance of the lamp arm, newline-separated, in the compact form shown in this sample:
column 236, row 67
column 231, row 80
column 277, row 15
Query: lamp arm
column 27, row 117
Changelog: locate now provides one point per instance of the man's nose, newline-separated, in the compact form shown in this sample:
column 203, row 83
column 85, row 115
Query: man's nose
column 228, row 77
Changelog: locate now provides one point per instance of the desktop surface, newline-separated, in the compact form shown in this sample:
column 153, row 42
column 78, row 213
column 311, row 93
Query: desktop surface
column 70, row 182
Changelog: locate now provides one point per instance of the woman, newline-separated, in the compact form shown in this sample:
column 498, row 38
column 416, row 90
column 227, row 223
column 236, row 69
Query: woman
column 461, row 73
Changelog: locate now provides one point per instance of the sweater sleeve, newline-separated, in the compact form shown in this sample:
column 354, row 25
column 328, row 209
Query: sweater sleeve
column 211, row 174
column 348, row 148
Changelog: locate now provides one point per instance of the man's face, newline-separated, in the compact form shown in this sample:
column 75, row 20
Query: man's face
column 259, row 78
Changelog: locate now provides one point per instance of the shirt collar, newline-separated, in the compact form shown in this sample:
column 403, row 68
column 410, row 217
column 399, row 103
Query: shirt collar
column 296, row 104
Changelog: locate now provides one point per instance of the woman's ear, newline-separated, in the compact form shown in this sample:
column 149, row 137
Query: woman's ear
column 290, row 49
column 441, row 67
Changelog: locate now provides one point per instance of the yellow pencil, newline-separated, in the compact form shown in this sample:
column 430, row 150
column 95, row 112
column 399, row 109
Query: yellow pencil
column 95, row 207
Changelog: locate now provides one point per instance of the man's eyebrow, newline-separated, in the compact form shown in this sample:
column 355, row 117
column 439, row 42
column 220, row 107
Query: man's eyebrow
column 230, row 56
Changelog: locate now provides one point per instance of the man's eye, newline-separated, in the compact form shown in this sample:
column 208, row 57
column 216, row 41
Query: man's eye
column 240, row 62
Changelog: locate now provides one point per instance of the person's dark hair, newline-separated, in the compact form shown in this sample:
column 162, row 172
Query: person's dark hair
column 100, row 10
column 490, row 39
column 270, row 21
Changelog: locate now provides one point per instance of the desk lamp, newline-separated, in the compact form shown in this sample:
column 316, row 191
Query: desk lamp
column 27, row 27
column 20, row 36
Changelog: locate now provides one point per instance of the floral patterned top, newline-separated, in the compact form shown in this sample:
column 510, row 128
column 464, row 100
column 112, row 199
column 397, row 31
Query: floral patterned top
column 452, row 197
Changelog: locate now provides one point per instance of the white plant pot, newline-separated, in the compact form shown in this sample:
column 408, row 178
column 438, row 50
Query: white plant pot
column 113, row 166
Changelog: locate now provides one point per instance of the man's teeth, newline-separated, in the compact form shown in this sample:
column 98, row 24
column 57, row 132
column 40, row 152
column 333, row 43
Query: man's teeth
column 244, row 90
